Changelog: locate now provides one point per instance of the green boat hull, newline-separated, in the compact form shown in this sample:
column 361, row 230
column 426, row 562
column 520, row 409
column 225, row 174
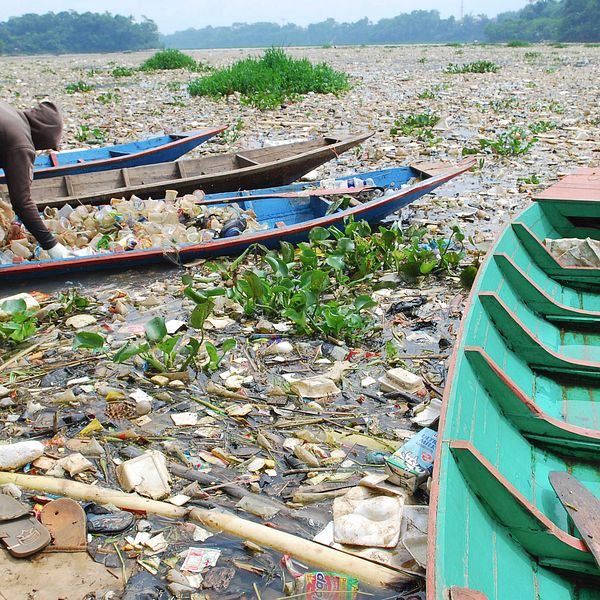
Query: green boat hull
column 523, row 400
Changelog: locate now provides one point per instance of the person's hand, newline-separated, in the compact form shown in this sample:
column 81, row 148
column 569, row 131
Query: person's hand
column 60, row 251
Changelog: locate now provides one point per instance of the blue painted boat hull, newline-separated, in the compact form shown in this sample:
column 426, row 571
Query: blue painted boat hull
column 150, row 151
column 299, row 215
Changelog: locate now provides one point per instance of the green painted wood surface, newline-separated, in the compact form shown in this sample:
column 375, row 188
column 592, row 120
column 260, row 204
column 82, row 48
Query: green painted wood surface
column 523, row 401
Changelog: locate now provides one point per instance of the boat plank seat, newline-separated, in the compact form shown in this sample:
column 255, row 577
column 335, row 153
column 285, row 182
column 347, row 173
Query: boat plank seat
column 580, row 277
column 526, row 415
column 539, row 300
column 532, row 529
column 430, row 169
column 527, row 345
column 244, row 161
column 68, row 180
column 54, row 159
column 179, row 136
column 116, row 153
column 331, row 140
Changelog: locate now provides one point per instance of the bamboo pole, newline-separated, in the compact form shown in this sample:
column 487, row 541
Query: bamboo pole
column 322, row 557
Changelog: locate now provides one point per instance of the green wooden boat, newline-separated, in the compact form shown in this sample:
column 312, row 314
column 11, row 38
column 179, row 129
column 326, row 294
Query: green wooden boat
column 523, row 401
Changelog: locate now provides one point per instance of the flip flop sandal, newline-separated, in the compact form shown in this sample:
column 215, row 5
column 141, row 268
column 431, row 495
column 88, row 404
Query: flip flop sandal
column 20, row 532
column 114, row 522
column 65, row 521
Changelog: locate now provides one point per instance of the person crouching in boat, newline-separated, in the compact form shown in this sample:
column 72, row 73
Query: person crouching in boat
column 22, row 132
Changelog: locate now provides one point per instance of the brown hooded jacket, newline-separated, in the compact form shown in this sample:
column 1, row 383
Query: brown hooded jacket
column 21, row 134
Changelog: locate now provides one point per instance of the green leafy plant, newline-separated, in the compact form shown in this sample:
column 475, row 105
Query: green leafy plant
column 85, row 134
column 232, row 133
column 518, row 44
column 21, row 323
column 72, row 301
column 123, row 71
column 532, row 55
column 514, row 142
column 79, row 86
column 542, row 126
column 532, row 180
column 167, row 60
column 109, row 98
column 481, row 66
column 419, row 125
column 271, row 80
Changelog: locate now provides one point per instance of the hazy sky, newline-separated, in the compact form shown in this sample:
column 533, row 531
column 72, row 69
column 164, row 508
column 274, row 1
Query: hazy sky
column 173, row 15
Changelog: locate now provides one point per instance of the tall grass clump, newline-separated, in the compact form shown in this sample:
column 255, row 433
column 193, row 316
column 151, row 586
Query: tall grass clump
column 480, row 66
column 518, row 44
column 271, row 80
column 167, row 60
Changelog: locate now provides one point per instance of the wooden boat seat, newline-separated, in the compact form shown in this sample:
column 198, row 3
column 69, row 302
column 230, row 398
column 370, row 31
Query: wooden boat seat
column 526, row 415
column 179, row 136
column 116, row 153
column 244, row 161
column 580, row 277
column 54, row 159
column 525, row 344
column 538, row 300
column 527, row 524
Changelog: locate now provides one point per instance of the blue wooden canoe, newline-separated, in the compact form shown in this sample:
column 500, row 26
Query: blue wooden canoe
column 160, row 149
column 289, row 218
column 520, row 407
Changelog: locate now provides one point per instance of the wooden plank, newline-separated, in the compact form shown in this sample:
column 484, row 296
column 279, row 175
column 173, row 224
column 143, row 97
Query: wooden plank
column 459, row 593
column 69, row 185
column 125, row 176
column 431, row 169
column 583, row 507
column 244, row 161
column 181, row 168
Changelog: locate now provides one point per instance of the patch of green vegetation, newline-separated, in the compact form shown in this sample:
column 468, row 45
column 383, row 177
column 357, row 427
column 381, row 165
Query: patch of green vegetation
column 430, row 93
column 501, row 104
column 319, row 286
column 514, row 142
column 86, row 135
column 171, row 59
column 480, row 66
column 21, row 323
column 123, row 71
column 419, row 125
column 592, row 45
column 270, row 81
column 518, row 44
column 532, row 55
column 109, row 98
column 559, row 45
column 542, row 127
column 532, row 180
column 232, row 133
column 79, row 86
column 454, row 45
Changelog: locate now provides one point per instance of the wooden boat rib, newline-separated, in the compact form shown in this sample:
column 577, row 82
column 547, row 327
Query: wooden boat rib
column 288, row 218
column 249, row 169
column 150, row 151
column 522, row 403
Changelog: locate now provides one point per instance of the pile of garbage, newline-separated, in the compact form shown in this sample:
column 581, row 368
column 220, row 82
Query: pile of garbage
column 125, row 225
column 291, row 466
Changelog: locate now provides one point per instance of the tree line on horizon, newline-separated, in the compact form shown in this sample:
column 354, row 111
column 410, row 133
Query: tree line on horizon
column 72, row 32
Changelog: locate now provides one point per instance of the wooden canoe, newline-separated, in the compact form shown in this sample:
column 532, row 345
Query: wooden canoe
column 249, row 169
column 522, row 404
column 150, row 151
column 290, row 211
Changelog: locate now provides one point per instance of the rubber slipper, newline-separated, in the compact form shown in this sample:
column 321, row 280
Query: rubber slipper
column 65, row 521
column 99, row 520
column 20, row 532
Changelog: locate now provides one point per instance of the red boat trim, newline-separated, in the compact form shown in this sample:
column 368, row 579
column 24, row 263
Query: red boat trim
column 118, row 159
column 257, row 237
